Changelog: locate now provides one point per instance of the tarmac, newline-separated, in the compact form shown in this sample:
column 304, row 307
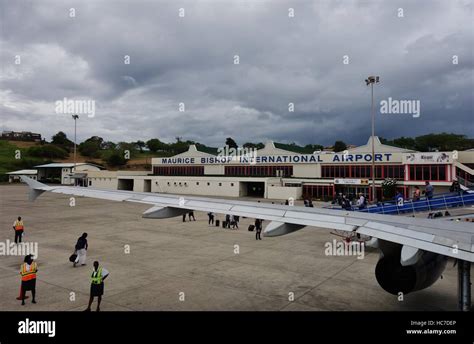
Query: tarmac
column 170, row 265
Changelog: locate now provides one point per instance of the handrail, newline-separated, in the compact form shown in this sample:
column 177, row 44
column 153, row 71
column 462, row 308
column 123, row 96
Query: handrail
column 444, row 202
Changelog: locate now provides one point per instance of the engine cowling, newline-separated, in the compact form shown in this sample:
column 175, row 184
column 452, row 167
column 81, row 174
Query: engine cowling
column 394, row 278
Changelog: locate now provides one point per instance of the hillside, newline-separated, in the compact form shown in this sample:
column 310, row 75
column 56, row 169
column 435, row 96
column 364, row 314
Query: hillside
column 9, row 163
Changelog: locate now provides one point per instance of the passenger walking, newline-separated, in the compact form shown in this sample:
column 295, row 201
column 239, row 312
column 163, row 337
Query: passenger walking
column 184, row 217
column 258, row 229
column 191, row 215
column 455, row 187
column 97, row 285
column 347, row 203
column 429, row 190
column 227, row 221
column 18, row 227
column 361, row 202
column 236, row 221
column 81, row 250
column 211, row 218
column 416, row 194
column 28, row 272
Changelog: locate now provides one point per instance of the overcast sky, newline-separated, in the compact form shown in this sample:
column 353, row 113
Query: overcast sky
column 283, row 60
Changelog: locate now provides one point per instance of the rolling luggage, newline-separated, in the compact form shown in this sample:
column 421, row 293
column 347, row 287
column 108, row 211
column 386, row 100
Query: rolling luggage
column 218, row 223
column 251, row 228
column 73, row 257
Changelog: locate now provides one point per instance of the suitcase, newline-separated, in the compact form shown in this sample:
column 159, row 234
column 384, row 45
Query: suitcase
column 251, row 228
column 73, row 258
column 218, row 223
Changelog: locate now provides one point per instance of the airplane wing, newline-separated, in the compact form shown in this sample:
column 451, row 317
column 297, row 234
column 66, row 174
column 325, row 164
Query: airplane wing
column 452, row 239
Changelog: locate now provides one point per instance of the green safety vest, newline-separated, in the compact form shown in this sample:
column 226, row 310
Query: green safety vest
column 96, row 277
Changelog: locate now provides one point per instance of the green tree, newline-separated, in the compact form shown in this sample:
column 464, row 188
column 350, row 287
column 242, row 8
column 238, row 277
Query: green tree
column 140, row 145
column 231, row 143
column 431, row 142
column 405, row 142
column 389, row 188
column 60, row 138
column 92, row 147
column 259, row 145
column 313, row 148
column 339, row 146
column 109, row 145
column 156, row 145
column 117, row 158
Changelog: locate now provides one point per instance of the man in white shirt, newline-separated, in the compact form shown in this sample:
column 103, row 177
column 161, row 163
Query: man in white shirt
column 361, row 201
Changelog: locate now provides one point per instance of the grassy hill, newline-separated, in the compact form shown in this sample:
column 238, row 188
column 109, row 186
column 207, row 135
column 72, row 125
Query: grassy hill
column 9, row 162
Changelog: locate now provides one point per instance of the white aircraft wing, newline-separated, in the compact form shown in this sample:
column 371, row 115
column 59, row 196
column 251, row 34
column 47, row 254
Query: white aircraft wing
column 452, row 239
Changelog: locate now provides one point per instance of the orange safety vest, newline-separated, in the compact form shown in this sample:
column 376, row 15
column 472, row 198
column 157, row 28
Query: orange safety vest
column 19, row 225
column 30, row 274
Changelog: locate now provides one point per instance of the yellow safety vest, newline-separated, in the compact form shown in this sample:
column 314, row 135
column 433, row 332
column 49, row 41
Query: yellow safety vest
column 30, row 274
column 19, row 225
column 96, row 277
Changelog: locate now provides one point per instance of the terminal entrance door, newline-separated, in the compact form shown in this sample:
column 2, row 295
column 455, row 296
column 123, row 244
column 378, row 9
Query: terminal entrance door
column 254, row 189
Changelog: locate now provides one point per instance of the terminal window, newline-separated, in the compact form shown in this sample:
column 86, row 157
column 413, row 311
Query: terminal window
column 428, row 172
column 259, row 171
column 323, row 192
column 363, row 171
column 178, row 170
column 466, row 177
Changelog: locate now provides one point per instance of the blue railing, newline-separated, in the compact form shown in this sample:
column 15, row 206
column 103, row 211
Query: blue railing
column 443, row 201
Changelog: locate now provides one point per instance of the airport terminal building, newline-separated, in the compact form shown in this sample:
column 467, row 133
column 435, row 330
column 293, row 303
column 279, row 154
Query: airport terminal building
column 277, row 173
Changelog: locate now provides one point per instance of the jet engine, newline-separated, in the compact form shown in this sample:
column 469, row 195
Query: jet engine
column 396, row 275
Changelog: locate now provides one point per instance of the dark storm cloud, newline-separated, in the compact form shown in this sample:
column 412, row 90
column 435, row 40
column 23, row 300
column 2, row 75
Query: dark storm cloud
column 282, row 60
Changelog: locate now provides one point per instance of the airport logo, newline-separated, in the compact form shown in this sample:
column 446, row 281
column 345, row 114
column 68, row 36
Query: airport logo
column 343, row 248
column 393, row 106
column 75, row 107
column 238, row 154
column 37, row 327
column 10, row 248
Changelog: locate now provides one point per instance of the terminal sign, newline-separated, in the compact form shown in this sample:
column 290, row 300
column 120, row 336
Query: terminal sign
column 278, row 159
column 350, row 181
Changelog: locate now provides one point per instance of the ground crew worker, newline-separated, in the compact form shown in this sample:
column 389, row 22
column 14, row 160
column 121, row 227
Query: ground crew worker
column 97, row 285
column 19, row 227
column 28, row 272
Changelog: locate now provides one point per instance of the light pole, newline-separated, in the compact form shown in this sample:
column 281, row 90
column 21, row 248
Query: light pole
column 75, row 117
column 371, row 80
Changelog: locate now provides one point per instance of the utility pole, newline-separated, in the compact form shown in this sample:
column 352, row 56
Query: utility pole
column 75, row 117
column 371, row 80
